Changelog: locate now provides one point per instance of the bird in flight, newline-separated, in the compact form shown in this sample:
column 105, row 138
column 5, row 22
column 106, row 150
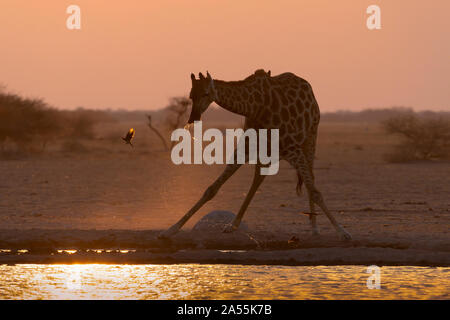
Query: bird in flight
column 129, row 136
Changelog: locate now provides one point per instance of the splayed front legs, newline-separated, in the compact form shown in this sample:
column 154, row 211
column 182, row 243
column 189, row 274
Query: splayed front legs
column 208, row 195
column 257, row 180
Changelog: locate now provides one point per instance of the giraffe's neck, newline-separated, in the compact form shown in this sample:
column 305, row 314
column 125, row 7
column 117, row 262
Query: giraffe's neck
column 233, row 96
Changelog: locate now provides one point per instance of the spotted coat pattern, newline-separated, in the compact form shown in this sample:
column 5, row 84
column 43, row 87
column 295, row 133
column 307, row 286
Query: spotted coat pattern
column 285, row 102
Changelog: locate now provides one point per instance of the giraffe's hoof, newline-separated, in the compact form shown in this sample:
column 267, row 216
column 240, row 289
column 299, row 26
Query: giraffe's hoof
column 229, row 228
column 168, row 233
column 345, row 235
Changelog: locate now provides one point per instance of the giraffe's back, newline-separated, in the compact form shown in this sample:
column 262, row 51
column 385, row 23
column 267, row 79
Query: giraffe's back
column 289, row 105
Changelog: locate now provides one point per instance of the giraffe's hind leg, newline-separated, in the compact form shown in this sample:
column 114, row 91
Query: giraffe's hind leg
column 309, row 148
column 312, row 216
column 300, row 163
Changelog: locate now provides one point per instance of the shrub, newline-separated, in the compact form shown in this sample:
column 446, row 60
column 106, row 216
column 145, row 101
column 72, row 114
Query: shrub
column 30, row 124
column 24, row 120
column 81, row 126
column 80, row 123
column 423, row 138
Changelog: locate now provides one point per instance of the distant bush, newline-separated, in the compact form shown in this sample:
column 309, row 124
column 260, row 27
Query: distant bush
column 81, row 125
column 423, row 138
column 30, row 124
column 25, row 121
column 178, row 112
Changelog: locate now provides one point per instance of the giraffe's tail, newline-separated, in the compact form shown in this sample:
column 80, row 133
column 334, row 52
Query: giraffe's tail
column 299, row 184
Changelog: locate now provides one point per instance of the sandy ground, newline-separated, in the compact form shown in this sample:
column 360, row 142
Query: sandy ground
column 121, row 197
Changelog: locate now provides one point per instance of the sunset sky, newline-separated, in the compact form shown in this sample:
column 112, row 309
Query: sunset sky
column 137, row 54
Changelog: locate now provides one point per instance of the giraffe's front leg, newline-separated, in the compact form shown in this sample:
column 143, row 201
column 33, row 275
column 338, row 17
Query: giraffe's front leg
column 208, row 195
column 257, row 180
column 170, row 232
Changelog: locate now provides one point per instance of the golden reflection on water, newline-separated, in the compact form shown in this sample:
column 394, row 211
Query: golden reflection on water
column 67, row 251
column 193, row 281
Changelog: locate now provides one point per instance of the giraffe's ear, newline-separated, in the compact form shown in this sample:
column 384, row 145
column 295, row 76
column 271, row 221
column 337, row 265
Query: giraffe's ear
column 192, row 77
column 201, row 76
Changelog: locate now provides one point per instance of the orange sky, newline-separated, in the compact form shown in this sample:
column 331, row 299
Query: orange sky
column 136, row 54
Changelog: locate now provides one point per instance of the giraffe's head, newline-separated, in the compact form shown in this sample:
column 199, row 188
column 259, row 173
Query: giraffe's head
column 203, row 93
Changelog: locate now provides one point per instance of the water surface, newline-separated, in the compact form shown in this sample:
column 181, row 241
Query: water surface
column 194, row 281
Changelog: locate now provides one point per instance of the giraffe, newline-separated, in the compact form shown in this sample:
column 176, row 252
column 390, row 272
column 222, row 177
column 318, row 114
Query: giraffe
column 285, row 102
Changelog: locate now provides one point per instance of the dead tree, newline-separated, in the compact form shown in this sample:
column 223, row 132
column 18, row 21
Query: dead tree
column 149, row 117
column 179, row 107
